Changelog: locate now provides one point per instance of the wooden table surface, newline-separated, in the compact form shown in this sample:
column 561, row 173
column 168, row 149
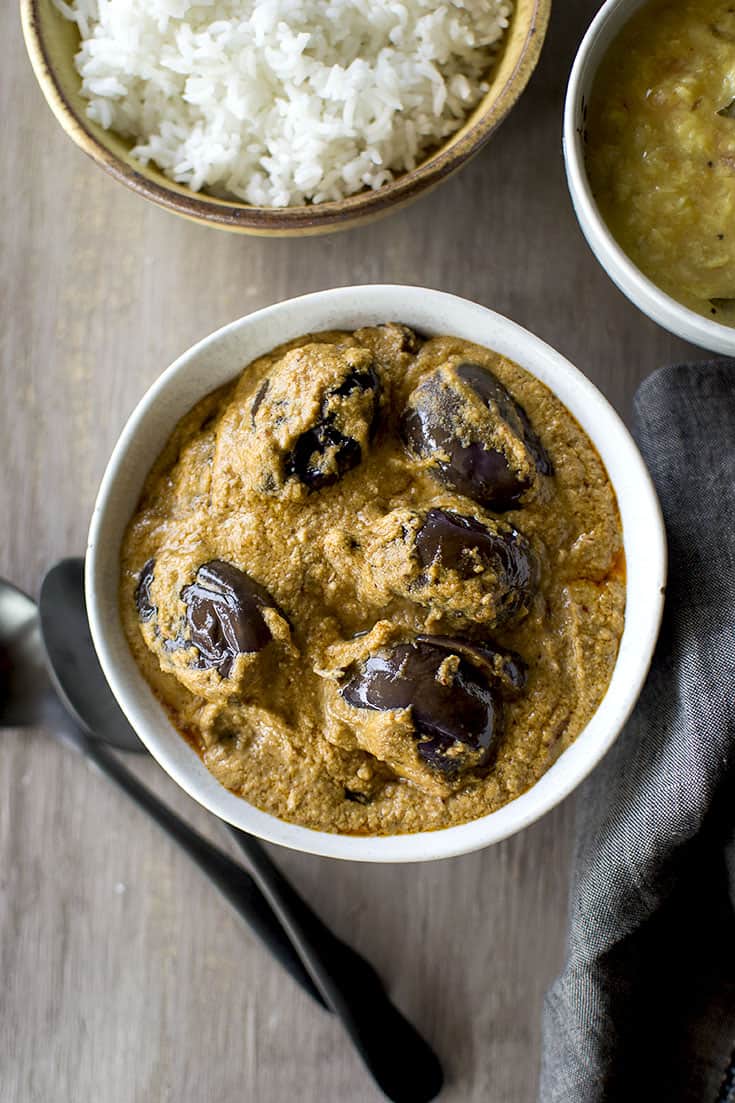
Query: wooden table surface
column 123, row 976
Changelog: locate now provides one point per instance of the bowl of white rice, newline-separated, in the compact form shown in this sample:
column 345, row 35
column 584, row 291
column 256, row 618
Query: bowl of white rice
column 282, row 117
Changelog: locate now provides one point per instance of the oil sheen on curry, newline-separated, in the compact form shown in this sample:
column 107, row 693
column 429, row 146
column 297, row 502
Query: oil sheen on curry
column 378, row 581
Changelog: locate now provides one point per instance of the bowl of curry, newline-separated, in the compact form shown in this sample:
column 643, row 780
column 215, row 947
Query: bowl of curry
column 375, row 574
column 649, row 147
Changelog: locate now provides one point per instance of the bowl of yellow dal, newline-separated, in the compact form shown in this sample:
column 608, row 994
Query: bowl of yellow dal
column 649, row 148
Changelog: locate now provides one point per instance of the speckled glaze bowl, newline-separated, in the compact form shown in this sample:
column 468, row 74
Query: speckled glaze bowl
column 217, row 360
column 52, row 41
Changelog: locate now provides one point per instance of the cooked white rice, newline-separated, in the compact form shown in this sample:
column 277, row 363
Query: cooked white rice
column 279, row 102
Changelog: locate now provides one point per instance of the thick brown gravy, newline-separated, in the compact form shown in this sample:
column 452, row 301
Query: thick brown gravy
column 294, row 539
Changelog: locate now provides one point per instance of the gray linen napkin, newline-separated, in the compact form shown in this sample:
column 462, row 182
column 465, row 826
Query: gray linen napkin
column 644, row 1008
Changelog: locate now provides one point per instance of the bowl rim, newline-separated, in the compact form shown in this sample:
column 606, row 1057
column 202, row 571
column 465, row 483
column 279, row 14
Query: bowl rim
column 659, row 306
column 227, row 349
column 323, row 217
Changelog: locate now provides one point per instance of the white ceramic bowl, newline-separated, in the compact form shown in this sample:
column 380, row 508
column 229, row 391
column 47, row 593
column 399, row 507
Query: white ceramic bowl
column 641, row 291
column 219, row 358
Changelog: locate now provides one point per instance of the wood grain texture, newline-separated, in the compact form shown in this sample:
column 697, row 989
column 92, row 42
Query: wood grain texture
column 124, row 978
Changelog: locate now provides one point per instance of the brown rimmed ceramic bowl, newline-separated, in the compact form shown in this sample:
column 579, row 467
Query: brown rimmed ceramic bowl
column 52, row 41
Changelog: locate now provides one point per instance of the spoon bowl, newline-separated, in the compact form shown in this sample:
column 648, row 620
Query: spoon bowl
column 23, row 676
column 73, row 665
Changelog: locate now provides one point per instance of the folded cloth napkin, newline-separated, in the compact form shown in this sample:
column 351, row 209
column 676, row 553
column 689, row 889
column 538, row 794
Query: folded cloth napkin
column 644, row 1008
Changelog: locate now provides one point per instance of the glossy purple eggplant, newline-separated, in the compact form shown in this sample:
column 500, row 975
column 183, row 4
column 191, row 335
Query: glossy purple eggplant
column 478, row 440
column 224, row 612
column 454, row 689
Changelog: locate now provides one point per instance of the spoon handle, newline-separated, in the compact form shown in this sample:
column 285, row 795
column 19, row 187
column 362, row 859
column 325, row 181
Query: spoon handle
column 235, row 884
column 403, row 1064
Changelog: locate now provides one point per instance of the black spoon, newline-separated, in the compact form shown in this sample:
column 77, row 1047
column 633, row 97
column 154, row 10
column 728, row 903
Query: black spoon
column 401, row 1062
column 28, row 698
